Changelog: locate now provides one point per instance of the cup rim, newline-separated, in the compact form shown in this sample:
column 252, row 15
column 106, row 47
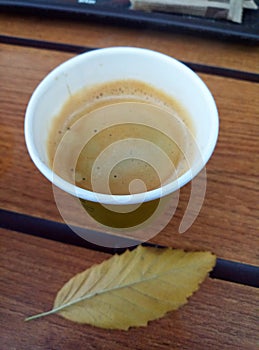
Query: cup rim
column 109, row 198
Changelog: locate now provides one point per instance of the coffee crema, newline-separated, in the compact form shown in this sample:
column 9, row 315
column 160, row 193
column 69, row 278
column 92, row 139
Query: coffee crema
column 120, row 137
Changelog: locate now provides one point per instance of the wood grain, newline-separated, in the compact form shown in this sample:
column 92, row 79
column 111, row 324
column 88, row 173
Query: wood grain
column 34, row 269
column 221, row 315
column 228, row 222
column 194, row 49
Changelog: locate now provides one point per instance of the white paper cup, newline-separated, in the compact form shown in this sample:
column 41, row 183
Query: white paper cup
column 111, row 64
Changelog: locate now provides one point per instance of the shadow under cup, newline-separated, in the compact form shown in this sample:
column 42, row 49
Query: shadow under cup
column 119, row 211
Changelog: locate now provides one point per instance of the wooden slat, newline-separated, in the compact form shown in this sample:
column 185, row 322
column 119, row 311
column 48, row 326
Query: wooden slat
column 230, row 209
column 228, row 222
column 208, row 51
column 220, row 315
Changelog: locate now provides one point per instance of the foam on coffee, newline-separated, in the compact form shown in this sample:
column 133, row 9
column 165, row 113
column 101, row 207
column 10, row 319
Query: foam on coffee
column 129, row 130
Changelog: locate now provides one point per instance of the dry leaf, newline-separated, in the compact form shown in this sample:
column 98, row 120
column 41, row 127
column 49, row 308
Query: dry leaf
column 133, row 288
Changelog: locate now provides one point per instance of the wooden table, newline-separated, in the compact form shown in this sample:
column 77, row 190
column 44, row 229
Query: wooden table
column 38, row 251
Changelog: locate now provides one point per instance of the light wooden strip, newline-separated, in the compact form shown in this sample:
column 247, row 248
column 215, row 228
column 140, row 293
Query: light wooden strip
column 228, row 222
column 190, row 48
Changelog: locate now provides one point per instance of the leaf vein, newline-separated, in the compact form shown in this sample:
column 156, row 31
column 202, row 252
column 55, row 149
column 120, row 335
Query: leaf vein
column 151, row 296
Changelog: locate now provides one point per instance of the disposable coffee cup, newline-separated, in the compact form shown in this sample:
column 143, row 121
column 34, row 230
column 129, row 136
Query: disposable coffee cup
column 107, row 211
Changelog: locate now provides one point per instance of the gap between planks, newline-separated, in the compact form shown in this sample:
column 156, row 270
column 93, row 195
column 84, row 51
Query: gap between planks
column 46, row 229
column 78, row 49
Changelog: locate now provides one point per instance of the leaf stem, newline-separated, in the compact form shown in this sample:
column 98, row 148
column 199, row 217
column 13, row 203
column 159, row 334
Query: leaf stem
column 46, row 313
column 59, row 308
column 34, row 317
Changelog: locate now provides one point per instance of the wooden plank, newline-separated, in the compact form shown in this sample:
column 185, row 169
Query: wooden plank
column 34, row 269
column 228, row 222
column 197, row 49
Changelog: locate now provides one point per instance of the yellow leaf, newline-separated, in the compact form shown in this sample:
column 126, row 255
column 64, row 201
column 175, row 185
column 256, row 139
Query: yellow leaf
column 133, row 288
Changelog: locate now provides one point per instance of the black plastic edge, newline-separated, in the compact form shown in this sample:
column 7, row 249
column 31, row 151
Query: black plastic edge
column 77, row 49
column 137, row 19
column 226, row 270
